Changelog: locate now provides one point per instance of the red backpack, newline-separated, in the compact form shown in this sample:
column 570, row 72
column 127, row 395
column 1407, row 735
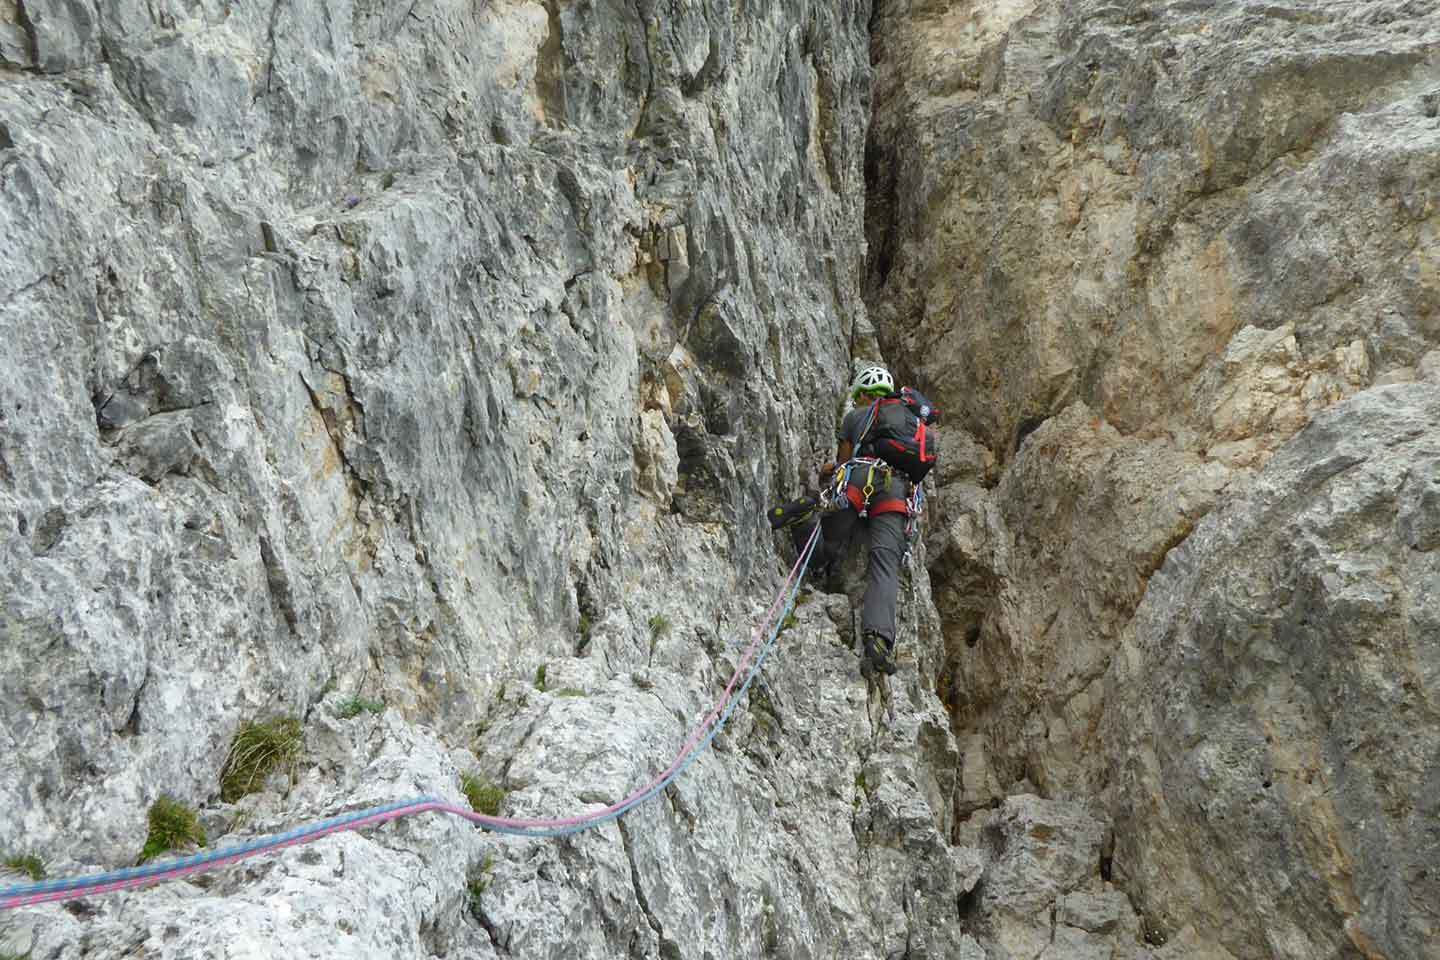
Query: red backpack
column 900, row 433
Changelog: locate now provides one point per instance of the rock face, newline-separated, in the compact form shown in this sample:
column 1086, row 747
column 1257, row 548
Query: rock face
column 401, row 351
column 1274, row 731
column 1142, row 200
column 1134, row 250
column 421, row 371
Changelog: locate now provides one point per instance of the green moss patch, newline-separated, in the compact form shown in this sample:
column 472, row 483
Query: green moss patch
column 483, row 795
column 356, row 705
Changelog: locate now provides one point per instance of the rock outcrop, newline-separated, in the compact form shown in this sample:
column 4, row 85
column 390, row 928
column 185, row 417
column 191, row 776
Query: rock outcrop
column 1274, row 730
column 1137, row 248
column 419, row 373
column 366, row 353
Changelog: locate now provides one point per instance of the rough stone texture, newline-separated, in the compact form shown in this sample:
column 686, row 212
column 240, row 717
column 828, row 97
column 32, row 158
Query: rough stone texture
column 1093, row 913
column 1133, row 249
column 408, row 349
column 1122, row 188
column 402, row 350
column 1276, row 737
column 1085, row 212
column 1042, row 890
column 1151, row 210
column 395, row 891
column 1034, row 576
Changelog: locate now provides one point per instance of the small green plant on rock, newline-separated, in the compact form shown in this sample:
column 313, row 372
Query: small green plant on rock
column 476, row 889
column 540, row 678
column 569, row 692
column 476, row 885
column 659, row 629
column 173, row 826
column 259, row 750
column 480, row 881
column 862, row 790
column 356, row 705
column 483, row 795
column 28, row 864
column 585, row 627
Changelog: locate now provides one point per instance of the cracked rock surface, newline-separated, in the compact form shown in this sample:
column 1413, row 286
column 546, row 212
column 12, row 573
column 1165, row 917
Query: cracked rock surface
column 1165, row 262
column 422, row 371
column 407, row 353
column 1279, row 688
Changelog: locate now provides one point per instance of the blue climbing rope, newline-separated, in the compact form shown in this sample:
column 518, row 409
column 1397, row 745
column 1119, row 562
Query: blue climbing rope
column 131, row 877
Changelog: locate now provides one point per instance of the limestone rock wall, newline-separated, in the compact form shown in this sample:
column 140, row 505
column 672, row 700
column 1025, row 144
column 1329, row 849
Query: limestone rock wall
column 421, row 371
column 445, row 355
column 1166, row 265
column 1273, row 733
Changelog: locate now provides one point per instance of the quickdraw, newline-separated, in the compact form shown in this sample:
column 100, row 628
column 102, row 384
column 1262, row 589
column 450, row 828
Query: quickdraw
column 914, row 506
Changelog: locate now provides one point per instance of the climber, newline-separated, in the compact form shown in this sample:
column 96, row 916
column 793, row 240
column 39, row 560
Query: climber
column 882, row 522
column 879, row 504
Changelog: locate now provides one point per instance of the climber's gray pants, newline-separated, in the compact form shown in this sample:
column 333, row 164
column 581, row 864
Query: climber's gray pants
column 885, row 533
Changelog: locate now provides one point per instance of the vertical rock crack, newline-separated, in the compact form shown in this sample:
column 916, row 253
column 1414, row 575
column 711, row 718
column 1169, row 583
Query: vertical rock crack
column 669, row 949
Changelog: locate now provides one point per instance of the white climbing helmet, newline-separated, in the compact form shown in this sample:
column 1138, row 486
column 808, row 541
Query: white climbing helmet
column 872, row 381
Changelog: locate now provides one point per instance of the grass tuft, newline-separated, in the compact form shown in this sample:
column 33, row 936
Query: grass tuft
column 540, row 678
column 483, row 795
column 568, row 692
column 659, row 628
column 356, row 705
column 28, row 864
column 173, row 826
column 258, row 751
column 479, row 882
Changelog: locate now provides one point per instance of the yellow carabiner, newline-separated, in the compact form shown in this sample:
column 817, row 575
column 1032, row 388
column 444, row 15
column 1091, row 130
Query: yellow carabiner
column 869, row 489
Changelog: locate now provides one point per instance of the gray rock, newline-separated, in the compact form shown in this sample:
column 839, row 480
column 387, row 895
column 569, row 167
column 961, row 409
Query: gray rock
column 1040, row 850
column 1133, row 253
column 446, row 355
column 1271, row 691
column 402, row 352
column 1070, row 943
column 1092, row 912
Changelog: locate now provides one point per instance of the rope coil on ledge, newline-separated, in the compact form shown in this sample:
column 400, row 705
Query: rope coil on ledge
column 700, row 738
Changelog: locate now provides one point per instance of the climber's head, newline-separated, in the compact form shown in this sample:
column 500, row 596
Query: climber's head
column 870, row 383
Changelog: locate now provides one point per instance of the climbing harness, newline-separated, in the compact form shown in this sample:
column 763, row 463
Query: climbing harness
column 29, row 894
column 854, row 485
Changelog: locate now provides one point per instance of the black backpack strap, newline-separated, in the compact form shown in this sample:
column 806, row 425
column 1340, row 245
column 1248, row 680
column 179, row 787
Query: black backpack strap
column 869, row 425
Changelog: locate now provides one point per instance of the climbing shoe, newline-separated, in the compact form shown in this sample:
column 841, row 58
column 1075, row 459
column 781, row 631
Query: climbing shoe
column 794, row 512
column 879, row 655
